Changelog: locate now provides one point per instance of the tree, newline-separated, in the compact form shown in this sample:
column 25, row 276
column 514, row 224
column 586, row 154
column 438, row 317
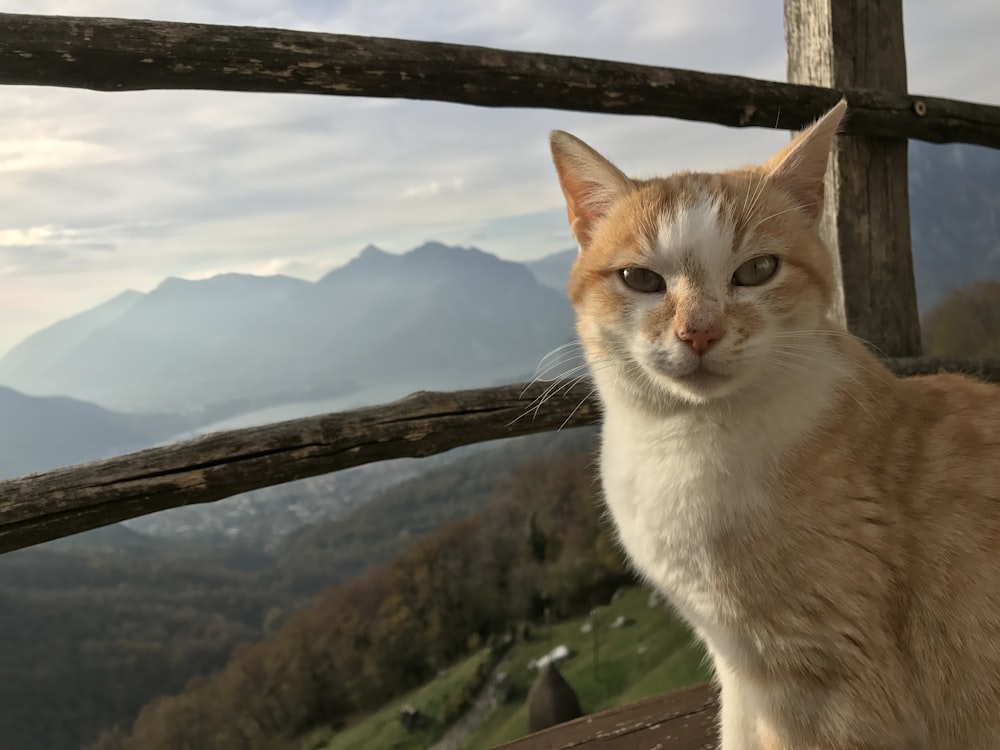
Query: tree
column 966, row 323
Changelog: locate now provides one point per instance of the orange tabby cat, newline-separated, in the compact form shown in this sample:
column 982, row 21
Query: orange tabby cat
column 831, row 531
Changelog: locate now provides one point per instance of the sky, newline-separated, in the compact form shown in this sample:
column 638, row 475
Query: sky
column 102, row 192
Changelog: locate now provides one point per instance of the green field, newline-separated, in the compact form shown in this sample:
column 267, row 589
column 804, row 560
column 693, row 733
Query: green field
column 382, row 730
column 652, row 654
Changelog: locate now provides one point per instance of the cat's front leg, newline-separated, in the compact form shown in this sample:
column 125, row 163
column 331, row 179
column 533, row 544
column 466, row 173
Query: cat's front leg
column 737, row 718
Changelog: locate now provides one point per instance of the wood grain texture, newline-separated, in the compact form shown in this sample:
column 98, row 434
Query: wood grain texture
column 683, row 719
column 124, row 55
column 66, row 501
column 846, row 44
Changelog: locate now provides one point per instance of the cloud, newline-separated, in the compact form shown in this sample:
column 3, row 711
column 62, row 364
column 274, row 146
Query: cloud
column 434, row 187
column 101, row 192
column 25, row 237
column 37, row 154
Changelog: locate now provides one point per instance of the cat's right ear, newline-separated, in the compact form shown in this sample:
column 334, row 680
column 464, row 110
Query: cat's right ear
column 801, row 165
column 590, row 183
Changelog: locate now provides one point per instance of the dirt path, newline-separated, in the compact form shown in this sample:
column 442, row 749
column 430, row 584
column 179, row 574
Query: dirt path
column 490, row 696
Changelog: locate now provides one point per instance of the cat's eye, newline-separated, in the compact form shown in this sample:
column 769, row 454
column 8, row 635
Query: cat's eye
column 755, row 271
column 643, row 280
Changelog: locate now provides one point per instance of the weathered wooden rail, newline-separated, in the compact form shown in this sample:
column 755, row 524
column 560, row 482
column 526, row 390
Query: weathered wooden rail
column 835, row 48
column 204, row 469
column 684, row 719
column 108, row 54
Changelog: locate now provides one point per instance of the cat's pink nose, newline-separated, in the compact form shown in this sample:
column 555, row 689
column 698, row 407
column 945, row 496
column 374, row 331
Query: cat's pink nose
column 700, row 339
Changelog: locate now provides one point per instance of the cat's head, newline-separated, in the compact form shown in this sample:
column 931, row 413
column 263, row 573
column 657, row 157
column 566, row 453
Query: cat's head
column 698, row 285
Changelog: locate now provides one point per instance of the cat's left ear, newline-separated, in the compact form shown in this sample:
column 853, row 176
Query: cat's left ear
column 801, row 165
column 590, row 183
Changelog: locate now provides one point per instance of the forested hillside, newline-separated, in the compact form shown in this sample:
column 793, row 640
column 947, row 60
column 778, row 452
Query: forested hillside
column 99, row 624
column 540, row 546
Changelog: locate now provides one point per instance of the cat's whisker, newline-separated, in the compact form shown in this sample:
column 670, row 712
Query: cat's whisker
column 565, row 384
column 746, row 197
column 808, row 359
column 549, row 393
column 799, row 369
column 779, row 213
column 556, row 378
column 835, row 332
column 544, row 375
column 573, row 413
column 787, row 368
column 551, row 358
column 758, row 192
column 540, row 399
column 570, row 385
column 555, row 359
column 824, row 352
column 552, row 388
column 561, row 348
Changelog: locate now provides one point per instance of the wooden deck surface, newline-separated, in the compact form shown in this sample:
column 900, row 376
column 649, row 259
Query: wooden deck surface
column 679, row 720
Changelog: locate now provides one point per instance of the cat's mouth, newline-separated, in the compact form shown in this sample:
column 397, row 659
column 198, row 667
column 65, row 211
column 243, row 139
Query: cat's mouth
column 692, row 378
column 702, row 377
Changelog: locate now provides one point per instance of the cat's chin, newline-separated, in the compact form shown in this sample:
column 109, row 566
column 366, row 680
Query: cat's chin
column 703, row 379
column 699, row 385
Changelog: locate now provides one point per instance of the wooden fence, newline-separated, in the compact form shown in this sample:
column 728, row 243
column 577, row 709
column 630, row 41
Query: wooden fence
column 851, row 48
column 836, row 48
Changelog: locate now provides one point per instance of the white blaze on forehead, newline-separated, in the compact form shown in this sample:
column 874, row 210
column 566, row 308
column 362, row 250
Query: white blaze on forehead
column 696, row 239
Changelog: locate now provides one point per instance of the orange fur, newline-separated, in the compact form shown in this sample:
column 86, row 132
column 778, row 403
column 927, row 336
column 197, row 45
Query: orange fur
column 830, row 530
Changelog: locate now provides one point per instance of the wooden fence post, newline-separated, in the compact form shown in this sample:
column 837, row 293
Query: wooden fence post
column 846, row 44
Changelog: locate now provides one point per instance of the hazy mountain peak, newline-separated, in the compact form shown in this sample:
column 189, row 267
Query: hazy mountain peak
column 373, row 251
column 43, row 349
column 122, row 300
column 370, row 257
column 231, row 279
column 434, row 251
column 432, row 257
column 226, row 285
column 433, row 247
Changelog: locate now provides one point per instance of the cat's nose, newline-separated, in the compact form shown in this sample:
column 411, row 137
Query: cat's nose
column 700, row 339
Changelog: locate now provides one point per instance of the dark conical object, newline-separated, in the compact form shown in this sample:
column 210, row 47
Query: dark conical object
column 551, row 700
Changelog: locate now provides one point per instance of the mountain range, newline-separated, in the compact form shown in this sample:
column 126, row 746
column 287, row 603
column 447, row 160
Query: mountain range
column 232, row 350
column 208, row 349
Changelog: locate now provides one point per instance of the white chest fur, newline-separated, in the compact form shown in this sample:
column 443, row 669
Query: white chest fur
column 679, row 486
column 671, row 487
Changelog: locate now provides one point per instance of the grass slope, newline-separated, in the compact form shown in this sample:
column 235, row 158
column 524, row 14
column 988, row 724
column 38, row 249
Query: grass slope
column 382, row 730
column 653, row 654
